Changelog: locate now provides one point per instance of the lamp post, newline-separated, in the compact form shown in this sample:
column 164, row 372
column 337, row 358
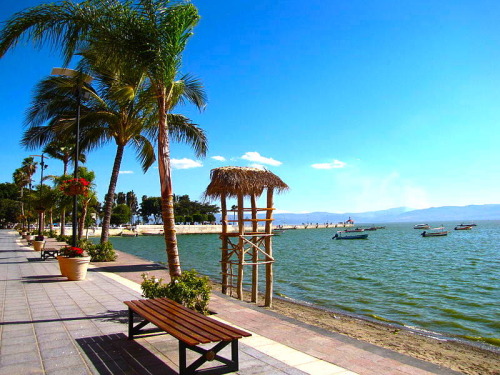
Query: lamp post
column 82, row 78
column 40, row 217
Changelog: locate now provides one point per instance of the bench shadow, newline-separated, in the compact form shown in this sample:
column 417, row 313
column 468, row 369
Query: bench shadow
column 128, row 268
column 115, row 354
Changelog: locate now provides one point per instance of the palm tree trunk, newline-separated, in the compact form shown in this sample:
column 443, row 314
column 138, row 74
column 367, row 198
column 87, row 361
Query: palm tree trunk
column 108, row 205
column 81, row 219
column 167, row 194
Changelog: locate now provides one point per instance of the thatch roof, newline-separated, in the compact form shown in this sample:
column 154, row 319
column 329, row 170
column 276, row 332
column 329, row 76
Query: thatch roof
column 242, row 180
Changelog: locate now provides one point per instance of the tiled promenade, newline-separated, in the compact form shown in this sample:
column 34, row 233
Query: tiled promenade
column 49, row 325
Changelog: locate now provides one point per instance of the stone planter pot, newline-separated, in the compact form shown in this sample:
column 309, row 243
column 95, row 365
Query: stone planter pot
column 38, row 245
column 75, row 269
column 63, row 265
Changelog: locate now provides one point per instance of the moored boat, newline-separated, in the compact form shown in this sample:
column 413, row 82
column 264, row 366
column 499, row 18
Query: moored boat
column 441, row 233
column 354, row 230
column 339, row 236
column 421, row 226
column 460, row 227
column 129, row 234
column 160, row 233
column 468, row 225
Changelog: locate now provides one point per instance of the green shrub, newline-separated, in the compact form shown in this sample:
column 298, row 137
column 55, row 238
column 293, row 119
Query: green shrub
column 190, row 289
column 98, row 252
column 62, row 238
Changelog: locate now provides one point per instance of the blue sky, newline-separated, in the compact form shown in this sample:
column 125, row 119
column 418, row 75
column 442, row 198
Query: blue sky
column 356, row 105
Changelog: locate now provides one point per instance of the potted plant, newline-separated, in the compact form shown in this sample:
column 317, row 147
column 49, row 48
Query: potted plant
column 73, row 263
column 38, row 243
column 28, row 237
column 75, row 186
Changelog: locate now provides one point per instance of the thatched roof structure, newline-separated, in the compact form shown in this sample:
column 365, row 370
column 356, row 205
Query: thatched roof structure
column 232, row 181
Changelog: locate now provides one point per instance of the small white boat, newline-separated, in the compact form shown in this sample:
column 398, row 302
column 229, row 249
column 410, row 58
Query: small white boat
column 421, row 226
column 160, row 233
column 129, row 234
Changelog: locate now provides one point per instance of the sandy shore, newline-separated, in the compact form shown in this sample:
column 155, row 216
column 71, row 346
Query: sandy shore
column 458, row 356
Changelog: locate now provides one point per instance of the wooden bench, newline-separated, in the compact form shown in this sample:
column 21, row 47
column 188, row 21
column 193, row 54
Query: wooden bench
column 51, row 249
column 191, row 329
column 49, row 252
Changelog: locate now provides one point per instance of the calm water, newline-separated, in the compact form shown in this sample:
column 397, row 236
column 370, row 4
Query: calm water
column 442, row 284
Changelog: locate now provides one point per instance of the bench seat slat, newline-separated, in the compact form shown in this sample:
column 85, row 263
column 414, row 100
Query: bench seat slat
column 205, row 321
column 170, row 327
column 183, row 323
column 187, row 321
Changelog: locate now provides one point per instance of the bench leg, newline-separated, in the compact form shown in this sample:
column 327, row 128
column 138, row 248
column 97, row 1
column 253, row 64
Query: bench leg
column 138, row 328
column 229, row 365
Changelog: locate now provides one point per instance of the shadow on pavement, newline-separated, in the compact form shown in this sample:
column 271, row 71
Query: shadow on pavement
column 115, row 354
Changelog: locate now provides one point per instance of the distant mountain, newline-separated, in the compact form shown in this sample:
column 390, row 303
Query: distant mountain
column 401, row 214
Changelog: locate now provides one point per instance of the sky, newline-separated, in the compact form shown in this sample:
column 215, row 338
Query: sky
column 356, row 105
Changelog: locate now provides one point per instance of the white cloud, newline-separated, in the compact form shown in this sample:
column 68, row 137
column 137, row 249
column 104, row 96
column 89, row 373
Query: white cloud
column 258, row 158
column 219, row 158
column 126, row 172
column 185, row 163
column 333, row 165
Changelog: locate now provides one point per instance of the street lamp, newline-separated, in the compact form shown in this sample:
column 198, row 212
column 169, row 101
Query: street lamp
column 40, row 217
column 82, row 78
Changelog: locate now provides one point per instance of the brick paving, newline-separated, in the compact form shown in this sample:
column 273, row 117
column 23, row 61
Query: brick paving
column 49, row 325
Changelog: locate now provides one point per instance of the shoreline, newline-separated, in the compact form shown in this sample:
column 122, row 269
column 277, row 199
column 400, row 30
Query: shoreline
column 157, row 230
column 467, row 357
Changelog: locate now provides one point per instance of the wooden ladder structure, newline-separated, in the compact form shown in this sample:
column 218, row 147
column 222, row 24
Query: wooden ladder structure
column 250, row 247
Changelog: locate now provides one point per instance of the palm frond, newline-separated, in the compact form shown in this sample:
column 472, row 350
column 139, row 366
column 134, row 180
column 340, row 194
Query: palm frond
column 145, row 152
column 181, row 129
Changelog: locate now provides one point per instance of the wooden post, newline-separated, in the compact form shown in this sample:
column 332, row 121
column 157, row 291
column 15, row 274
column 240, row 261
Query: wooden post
column 241, row 232
column 269, row 250
column 255, row 267
column 225, row 245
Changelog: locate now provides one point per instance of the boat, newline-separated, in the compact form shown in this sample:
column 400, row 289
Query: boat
column 129, row 234
column 160, row 233
column 441, row 232
column 278, row 232
column 421, row 226
column 355, row 230
column 339, row 236
column 460, row 227
column 468, row 225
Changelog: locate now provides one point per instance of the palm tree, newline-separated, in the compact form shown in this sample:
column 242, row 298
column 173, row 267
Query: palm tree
column 22, row 178
column 150, row 37
column 64, row 151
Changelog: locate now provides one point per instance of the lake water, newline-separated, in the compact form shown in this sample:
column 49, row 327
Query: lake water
column 446, row 284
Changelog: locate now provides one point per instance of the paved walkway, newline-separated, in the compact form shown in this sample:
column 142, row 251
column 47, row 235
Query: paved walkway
column 49, row 325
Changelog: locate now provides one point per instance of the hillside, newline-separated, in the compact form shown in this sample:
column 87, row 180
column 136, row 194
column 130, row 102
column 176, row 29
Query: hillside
column 401, row 214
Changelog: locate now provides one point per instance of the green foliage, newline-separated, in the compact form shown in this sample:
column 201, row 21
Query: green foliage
column 101, row 252
column 10, row 210
column 62, row 238
column 9, row 191
column 151, row 206
column 185, row 206
column 120, row 215
column 198, row 218
column 190, row 289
